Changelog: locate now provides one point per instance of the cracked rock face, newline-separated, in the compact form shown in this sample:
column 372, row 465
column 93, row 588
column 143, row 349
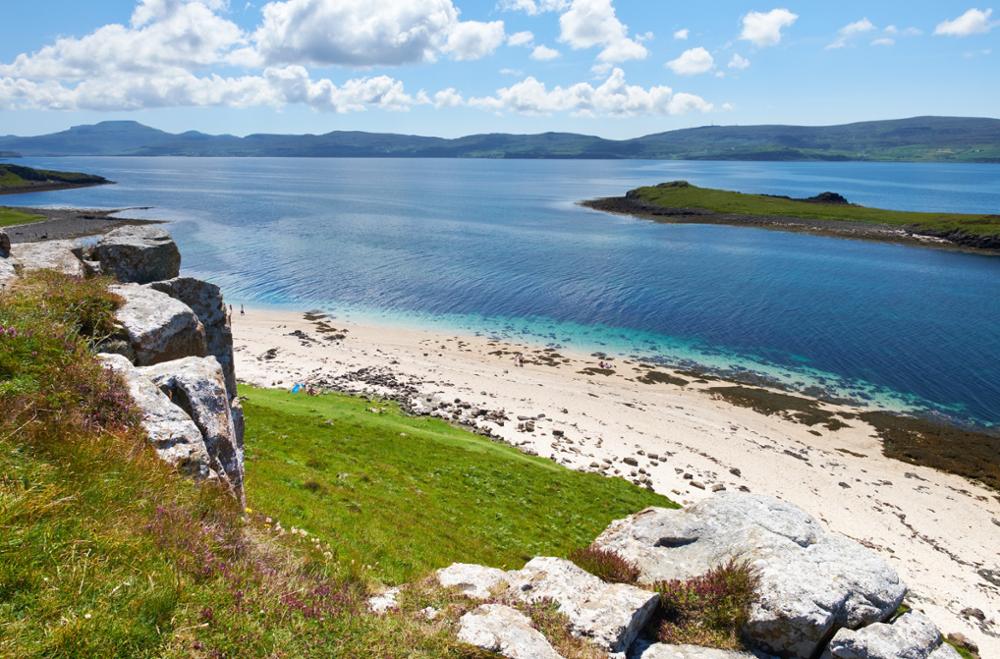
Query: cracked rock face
column 159, row 327
column 174, row 436
column 811, row 582
column 666, row 651
column 138, row 254
column 609, row 615
column 197, row 385
column 58, row 255
column 911, row 636
column 506, row 631
column 206, row 301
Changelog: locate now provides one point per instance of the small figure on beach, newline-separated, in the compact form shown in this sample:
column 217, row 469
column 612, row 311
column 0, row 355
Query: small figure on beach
column 519, row 360
column 242, row 311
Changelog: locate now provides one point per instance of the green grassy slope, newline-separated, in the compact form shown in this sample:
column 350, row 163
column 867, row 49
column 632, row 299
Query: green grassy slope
column 106, row 552
column 12, row 216
column 406, row 495
column 679, row 194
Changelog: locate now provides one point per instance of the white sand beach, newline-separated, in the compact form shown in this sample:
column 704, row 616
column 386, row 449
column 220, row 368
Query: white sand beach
column 942, row 532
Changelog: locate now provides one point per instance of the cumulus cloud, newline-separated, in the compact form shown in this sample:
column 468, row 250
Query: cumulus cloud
column 682, row 35
column 447, row 98
column 883, row 41
column 974, row 21
column 763, row 29
column 520, row 39
column 544, row 53
column 847, row 33
column 738, row 62
column 614, row 97
column 533, row 7
column 693, row 61
column 370, row 32
column 593, row 23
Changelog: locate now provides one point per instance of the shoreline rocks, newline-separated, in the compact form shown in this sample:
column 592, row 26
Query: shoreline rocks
column 138, row 254
column 159, row 327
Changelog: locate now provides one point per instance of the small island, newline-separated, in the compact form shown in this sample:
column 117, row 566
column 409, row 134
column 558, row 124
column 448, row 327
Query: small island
column 827, row 214
column 17, row 178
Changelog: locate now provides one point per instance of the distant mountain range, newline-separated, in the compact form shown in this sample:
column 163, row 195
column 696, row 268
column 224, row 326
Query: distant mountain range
column 934, row 139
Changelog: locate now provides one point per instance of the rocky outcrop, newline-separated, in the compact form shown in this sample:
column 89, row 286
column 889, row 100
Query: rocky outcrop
column 58, row 255
column 206, row 301
column 174, row 436
column 911, row 636
column 159, row 327
column 609, row 615
column 4, row 244
column 811, row 583
column 197, row 386
column 138, row 254
column 506, row 631
column 666, row 651
column 475, row 581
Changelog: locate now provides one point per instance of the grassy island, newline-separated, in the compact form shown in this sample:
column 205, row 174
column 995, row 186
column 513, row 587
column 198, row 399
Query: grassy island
column 17, row 178
column 827, row 213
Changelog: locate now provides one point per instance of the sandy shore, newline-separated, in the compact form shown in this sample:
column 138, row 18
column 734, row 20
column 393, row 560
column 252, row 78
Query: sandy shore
column 942, row 532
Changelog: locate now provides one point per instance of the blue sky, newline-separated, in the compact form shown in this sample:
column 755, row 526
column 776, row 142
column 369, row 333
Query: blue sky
column 616, row 68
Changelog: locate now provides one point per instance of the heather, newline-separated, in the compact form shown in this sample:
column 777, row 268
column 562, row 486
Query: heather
column 606, row 564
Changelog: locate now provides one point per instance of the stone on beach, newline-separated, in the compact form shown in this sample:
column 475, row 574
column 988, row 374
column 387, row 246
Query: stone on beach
column 206, row 301
column 911, row 636
column 506, row 631
column 197, row 385
column 174, row 436
column 811, row 582
column 159, row 327
column 138, row 254
column 610, row 615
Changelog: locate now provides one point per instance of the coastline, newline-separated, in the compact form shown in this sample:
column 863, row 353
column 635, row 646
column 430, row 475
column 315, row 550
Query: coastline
column 625, row 205
column 49, row 187
column 938, row 529
column 69, row 223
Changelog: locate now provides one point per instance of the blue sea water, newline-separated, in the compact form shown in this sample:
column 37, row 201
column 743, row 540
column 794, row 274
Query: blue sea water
column 501, row 247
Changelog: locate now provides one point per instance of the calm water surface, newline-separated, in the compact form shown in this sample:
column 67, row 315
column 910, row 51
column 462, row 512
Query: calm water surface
column 500, row 247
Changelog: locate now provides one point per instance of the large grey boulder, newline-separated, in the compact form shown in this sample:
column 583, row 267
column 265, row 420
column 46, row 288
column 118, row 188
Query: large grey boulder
column 911, row 636
column 174, row 436
column 197, row 385
column 206, row 301
column 666, row 651
column 159, row 327
column 610, row 615
column 138, row 254
column 4, row 244
column 58, row 255
column 811, row 582
column 506, row 631
column 475, row 581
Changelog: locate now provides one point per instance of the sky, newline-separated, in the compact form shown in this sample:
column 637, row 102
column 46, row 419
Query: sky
column 614, row 68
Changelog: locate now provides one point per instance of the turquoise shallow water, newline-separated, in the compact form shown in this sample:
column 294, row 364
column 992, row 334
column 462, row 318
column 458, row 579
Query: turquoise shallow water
column 500, row 247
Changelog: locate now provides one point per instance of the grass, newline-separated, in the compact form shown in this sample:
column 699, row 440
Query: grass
column 12, row 216
column 606, row 564
column 710, row 609
column 680, row 194
column 404, row 495
column 105, row 551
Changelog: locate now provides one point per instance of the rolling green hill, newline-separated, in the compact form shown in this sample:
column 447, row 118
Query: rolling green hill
column 932, row 139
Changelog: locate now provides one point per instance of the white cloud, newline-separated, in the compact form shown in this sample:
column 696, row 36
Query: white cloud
column 370, row 32
column 544, row 53
column 693, row 61
column 682, row 35
column 614, row 97
column 764, row 29
column 516, row 73
column 447, row 98
column 533, row 7
column 520, row 39
column 883, row 41
column 847, row 33
column 728, row 107
column 470, row 40
column 590, row 23
column 974, row 21
column 739, row 62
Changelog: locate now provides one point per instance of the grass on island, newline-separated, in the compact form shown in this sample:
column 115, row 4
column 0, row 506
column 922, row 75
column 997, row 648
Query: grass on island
column 12, row 216
column 18, row 178
column 105, row 551
column 681, row 194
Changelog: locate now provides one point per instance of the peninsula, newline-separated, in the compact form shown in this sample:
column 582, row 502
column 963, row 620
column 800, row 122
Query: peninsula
column 16, row 178
column 828, row 213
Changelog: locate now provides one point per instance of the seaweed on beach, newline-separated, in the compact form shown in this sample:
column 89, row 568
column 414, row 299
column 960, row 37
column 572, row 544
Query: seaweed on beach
column 794, row 408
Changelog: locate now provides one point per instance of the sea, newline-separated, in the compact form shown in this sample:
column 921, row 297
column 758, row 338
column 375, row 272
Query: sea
column 503, row 248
